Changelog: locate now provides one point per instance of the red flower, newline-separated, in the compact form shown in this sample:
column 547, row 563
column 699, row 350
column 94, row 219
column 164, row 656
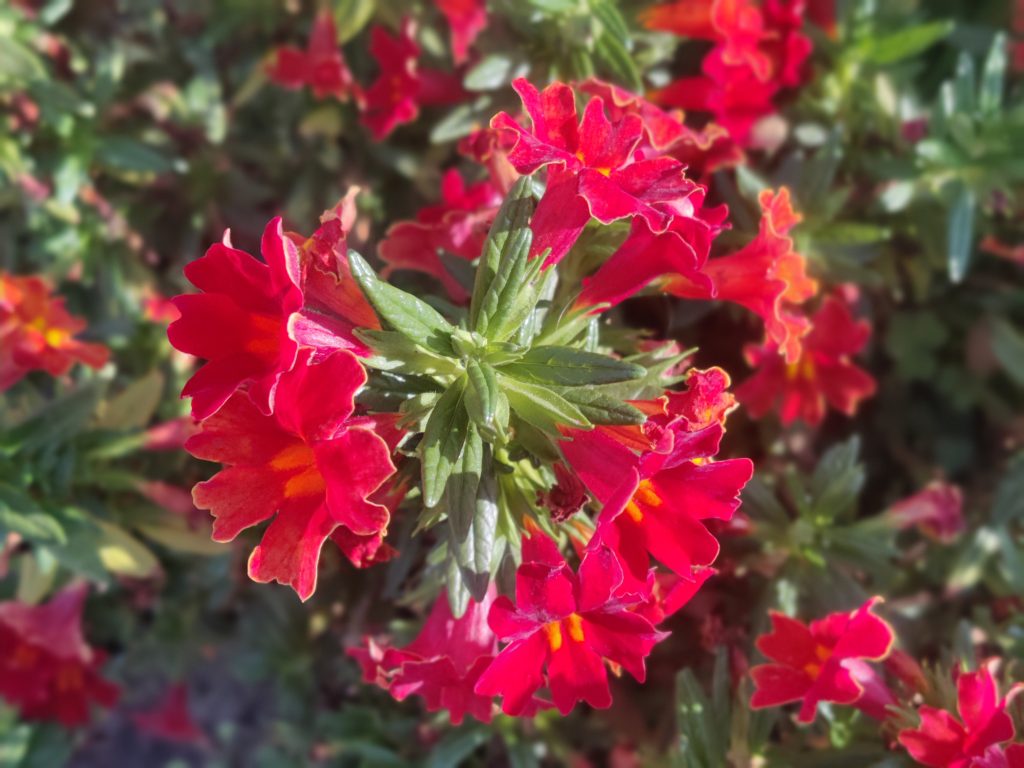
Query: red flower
column 592, row 168
column 443, row 663
column 47, row 670
column 401, row 88
column 249, row 303
column 998, row 757
column 937, row 510
column 38, row 333
column 321, row 66
column 566, row 497
column 490, row 148
column 767, row 276
column 824, row 662
column 758, row 52
column 311, row 463
column 823, row 373
column 170, row 719
column 458, row 225
column 568, row 624
column 944, row 741
column 655, row 503
column 467, row 18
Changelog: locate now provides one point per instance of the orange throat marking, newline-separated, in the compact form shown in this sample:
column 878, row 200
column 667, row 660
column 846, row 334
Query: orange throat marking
column 644, row 497
column 573, row 624
column 299, row 461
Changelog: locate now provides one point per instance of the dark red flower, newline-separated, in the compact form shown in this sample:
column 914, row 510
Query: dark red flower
column 823, row 374
column 566, row 497
column 824, row 662
column 37, row 333
column 944, row 741
column 321, row 66
column 936, row 510
column 467, row 19
column 401, row 87
column 592, row 168
column 47, row 670
column 567, row 625
column 311, row 462
column 443, row 663
column 458, row 226
column 170, row 719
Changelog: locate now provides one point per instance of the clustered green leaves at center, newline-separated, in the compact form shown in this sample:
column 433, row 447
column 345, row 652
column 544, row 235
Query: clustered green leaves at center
column 502, row 395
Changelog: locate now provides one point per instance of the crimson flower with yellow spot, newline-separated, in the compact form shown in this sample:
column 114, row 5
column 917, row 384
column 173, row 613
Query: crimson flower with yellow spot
column 825, row 661
column 47, row 670
column 593, row 167
column 38, row 333
column 823, row 374
column 562, row 630
column 312, row 462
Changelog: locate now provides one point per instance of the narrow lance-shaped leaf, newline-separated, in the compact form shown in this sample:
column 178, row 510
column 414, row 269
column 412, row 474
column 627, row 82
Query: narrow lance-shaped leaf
column 482, row 394
column 960, row 237
column 505, row 257
column 443, row 439
column 993, row 77
column 460, row 491
column 410, row 316
column 540, row 406
column 568, row 367
column 600, row 408
column 475, row 552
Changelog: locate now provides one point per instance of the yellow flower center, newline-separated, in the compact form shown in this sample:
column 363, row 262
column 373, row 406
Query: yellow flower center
column 645, row 495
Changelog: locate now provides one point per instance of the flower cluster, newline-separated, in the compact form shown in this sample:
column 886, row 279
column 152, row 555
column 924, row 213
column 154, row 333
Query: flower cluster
column 401, row 86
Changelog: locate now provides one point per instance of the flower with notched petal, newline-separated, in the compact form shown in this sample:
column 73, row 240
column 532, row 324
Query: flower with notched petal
column 321, row 66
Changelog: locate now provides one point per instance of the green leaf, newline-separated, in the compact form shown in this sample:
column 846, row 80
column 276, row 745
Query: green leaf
column 540, row 406
column 20, row 514
column 134, row 407
column 460, row 491
column 482, row 396
column 121, row 153
column 600, row 408
column 496, row 70
column 1008, row 506
column 993, row 77
column 475, row 551
column 568, row 367
column 456, row 746
column 837, row 481
column 350, row 16
column 504, row 262
column 443, row 439
column 905, row 43
column 960, row 231
column 1008, row 347
column 396, row 353
column 18, row 64
column 408, row 315
column 458, row 592
column 964, row 85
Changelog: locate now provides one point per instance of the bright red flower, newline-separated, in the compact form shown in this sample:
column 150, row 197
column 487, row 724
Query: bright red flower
column 401, row 87
column 937, row 510
column 311, row 462
column 458, row 225
column 822, row 375
column 945, row 741
column 824, row 662
column 170, row 719
column 467, row 19
column 38, row 333
column 568, row 624
column 767, row 277
column 47, row 670
column 321, row 66
column 249, row 303
column 592, row 168
column 655, row 504
column 490, row 148
column 443, row 663
column 759, row 50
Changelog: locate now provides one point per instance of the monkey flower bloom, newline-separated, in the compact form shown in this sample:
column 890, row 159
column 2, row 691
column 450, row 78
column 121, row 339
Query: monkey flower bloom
column 170, row 719
column 458, row 225
column 824, row 662
column 568, row 624
column 937, row 511
column 38, row 333
column 311, row 463
column 47, row 671
column 592, row 168
column 998, row 757
column 467, row 19
column 248, row 304
column 944, row 741
column 442, row 664
column 823, row 373
column 321, row 66
column 401, row 87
